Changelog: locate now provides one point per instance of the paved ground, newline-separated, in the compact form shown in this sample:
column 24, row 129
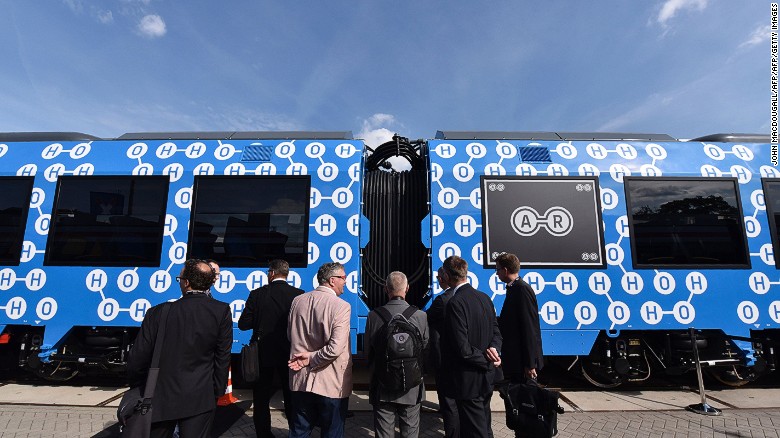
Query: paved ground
column 37, row 410
column 27, row 421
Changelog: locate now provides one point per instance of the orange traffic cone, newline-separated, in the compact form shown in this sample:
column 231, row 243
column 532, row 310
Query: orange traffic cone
column 228, row 397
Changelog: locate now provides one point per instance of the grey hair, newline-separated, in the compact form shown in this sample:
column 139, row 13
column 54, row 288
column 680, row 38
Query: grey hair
column 396, row 282
column 328, row 270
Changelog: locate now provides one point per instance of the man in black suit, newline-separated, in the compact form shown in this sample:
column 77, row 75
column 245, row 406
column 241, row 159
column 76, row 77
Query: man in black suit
column 470, row 344
column 519, row 323
column 195, row 356
column 266, row 314
column 447, row 406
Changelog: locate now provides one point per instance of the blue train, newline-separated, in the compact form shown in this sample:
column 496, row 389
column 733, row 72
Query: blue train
column 628, row 240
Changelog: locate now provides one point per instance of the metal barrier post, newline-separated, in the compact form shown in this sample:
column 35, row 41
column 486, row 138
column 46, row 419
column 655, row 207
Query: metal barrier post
column 701, row 408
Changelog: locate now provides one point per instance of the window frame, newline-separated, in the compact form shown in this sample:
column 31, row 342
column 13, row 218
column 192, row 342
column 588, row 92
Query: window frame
column 18, row 241
column 252, row 263
column 50, row 240
column 773, row 232
column 632, row 235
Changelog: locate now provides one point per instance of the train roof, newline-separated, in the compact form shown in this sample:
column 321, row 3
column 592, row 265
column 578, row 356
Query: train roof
column 594, row 136
column 734, row 138
column 46, row 136
column 549, row 136
column 239, row 135
column 347, row 135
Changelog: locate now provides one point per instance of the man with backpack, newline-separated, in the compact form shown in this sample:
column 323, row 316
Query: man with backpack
column 396, row 335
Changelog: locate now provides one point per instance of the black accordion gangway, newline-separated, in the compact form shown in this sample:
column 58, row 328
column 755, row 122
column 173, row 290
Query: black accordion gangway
column 395, row 203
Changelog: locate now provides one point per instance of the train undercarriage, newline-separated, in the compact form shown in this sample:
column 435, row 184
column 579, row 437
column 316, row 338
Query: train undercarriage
column 627, row 358
column 634, row 356
column 92, row 351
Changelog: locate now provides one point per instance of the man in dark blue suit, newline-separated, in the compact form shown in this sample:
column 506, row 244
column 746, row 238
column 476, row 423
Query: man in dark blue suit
column 266, row 314
column 519, row 322
column 447, row 406
column 195, row 355
column 470, row 344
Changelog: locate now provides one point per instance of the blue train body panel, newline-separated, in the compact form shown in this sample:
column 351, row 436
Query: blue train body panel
column 60, row 297
column 584, row 286
column 627, row 244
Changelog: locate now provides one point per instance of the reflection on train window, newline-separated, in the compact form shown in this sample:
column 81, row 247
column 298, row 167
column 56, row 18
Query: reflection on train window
column 686, row 222
column 772, row 201
column 250, row 220
column 107, row 221
column 15, row 193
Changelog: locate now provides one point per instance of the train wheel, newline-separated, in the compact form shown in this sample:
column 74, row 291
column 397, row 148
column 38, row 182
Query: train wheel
column 733, row 376
column 597, row 377
column 57, row 371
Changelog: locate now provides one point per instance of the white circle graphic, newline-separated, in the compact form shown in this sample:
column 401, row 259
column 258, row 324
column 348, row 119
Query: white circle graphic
column 46, row 308
column 15, row 308
column 138, row 309
column 108, row 309
column 684, row 312
column 585, row 313
column 128, row 280
column 618, row 312
column 748, row 312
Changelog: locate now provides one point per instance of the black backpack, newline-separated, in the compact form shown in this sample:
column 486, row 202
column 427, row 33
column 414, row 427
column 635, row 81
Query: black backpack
column 531, row 409
column 398, row 352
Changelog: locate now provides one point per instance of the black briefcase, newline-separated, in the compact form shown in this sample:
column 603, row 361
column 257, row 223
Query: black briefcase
column 250, row 366
column 531, row 409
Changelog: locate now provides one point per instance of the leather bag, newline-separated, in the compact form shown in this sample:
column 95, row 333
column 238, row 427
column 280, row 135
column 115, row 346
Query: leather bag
column 135, row 409
column 531, row 409
column 250, row 366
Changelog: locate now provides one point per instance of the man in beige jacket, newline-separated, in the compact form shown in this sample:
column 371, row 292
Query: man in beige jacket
column 320, row 356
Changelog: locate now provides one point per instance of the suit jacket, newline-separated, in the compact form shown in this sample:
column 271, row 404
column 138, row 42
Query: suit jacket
column 194, row 360
column 266, row 314
column 374, row 324
column 470, row 327
column 519, row 324
column 435, row 315
column 319, row 323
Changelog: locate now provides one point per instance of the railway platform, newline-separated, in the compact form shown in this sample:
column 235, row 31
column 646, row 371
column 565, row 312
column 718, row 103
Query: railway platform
column 38, row 410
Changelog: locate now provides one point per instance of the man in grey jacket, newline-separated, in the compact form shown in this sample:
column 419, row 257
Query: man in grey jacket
column 391, row 405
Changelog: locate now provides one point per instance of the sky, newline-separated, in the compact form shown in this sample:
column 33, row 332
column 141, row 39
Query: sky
column 686, row 68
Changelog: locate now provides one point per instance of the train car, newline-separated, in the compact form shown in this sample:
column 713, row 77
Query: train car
column 95, row 231
column 629, row 241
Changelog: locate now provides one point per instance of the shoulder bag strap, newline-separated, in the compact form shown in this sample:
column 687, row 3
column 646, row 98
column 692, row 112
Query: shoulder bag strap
column 409, row 311
column 384, row 314
column 154, row 369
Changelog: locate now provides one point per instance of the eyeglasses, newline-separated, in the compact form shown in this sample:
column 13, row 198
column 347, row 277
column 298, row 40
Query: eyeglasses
column 179, row 279
column 343, row 277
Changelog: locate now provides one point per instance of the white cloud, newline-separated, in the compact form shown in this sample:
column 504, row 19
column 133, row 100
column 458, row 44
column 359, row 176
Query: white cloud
column 74, row 5
column 671, row 7
column 105, row 17
column 374, row 130
column 760, row 35
column 152, row 26
column 379, row 129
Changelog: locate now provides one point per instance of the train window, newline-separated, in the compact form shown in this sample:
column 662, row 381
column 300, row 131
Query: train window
column 250, row 220
column 686, row 222
column 15, row 195
column 772, row 201
column 546, row 221
column 107, row 221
